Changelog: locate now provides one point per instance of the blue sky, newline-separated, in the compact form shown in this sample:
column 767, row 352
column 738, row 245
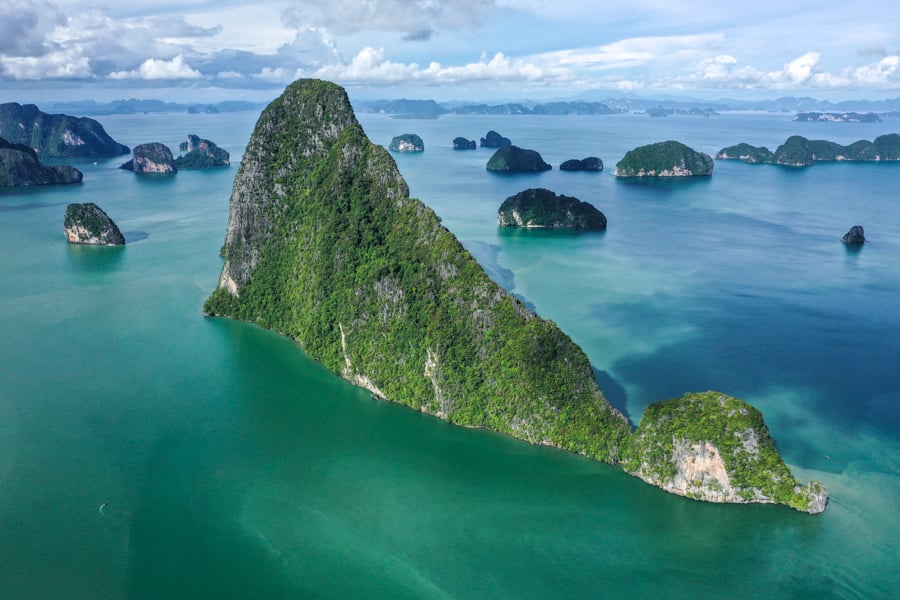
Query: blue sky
column 480, row 50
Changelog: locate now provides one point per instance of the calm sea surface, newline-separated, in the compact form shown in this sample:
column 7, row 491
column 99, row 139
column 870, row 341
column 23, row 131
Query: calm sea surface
column 232, row 466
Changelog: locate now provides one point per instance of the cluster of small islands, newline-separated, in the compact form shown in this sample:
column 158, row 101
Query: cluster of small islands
column 329, row 249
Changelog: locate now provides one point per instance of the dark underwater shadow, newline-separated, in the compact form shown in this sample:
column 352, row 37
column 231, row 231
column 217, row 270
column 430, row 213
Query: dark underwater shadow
column 663, row 184
column 30, row 206
column 613, row 392
column 547, row 232
column 135, row 236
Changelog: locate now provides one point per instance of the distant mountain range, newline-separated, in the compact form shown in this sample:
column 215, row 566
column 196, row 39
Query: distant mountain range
column 652, row 106
column 135, row 106
column 577, row 106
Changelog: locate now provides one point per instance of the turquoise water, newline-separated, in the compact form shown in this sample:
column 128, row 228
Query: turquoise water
column 234, row 467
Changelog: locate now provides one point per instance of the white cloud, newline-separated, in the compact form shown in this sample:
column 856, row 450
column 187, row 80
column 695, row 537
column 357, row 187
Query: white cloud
column 633, row 52
column 371, row 66
column 153, row 68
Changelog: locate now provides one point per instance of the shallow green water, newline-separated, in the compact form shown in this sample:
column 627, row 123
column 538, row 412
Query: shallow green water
column 235, row 467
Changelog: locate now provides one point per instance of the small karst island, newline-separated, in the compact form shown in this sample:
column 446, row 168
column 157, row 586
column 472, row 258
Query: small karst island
column 492, row 139
column 201, row 154
column 325, row 245
column 512, row 159
column 856, row 235
column 591, row 163
column 88, row 224
column 461, row 143
column 797, row 151
column 19, row 167
column 539, row 207
column 408, row 142
column 152, row 157
column 664, row 159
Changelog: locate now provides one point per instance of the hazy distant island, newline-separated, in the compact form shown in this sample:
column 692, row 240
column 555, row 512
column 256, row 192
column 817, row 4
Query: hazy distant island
column 88, row 224
column 512, row 159
column 407, row 142
column 591, row 163
column 847, row 117
column 797, row 151
column 327, row 247
column 664, row 159
column 19, row 167
column 201, row 154
column 492, row 139
column 54, row 136
column 539, row 207
column 461, row 143
column 153, row 157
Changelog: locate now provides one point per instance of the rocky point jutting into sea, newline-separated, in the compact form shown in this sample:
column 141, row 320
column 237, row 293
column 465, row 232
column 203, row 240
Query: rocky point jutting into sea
column 325, row 245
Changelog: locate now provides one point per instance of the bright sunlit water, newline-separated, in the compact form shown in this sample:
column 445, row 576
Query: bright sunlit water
column 235, row 467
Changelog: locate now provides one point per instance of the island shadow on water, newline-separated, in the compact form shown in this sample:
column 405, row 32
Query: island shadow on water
column 613, row 392
column 135, row 236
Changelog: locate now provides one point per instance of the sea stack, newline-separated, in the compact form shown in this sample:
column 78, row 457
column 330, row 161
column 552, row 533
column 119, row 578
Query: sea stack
column 856, row 235
column 88, row 224
column 151, row 158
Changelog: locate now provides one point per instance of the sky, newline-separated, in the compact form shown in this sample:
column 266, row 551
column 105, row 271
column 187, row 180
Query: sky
column 462, row 50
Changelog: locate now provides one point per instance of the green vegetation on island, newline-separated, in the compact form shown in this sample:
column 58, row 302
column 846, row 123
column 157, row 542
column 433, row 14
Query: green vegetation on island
column 461, row 143
column 591, row 163
column 201, row 154
column 325, row 245
column 56, row 135
column 512, row 159
column 717, row 448
column 664, row 159
column 88, row 224
column 407, row 142
column 19, row 166
column 797, row 151
column 542, row 208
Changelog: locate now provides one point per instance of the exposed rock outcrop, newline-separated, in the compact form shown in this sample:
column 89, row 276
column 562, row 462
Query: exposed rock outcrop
column 664, row 159
column 543, row 208
column 19, row 166
column 56, row 135
column 151, row 158
column 408, row 142
column 512, row 159
column 201, row 154
column 88, row 224
column 856, row 235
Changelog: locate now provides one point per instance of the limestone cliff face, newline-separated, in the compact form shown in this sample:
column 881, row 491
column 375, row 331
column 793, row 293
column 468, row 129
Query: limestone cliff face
column 19, row 166
column 201, row 154
column 539, row 207
column 153, row 157
column 88, row 224
column 664, row 159
column 325, row 245
column 712, row 447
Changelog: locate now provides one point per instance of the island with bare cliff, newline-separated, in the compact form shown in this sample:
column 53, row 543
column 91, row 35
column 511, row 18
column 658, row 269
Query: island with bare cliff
column 324, row 245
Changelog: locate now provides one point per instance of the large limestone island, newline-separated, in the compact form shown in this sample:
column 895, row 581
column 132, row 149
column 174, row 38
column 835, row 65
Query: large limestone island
column 88, row 224
column 152, row 157
column 19, row 166
column 512, row 159
column 539, row 207
column 56, row 135
column 408, row 142
column 325, row 245
column 201, row 154
column 797, row 151
column 664, row 159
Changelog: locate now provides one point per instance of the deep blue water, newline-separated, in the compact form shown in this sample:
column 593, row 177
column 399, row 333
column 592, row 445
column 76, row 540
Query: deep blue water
column 235, row 467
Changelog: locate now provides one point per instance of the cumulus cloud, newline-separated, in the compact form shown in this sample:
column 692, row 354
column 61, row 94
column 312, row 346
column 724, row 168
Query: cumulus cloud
column 25, row 26
column 153, row 68
column 371, row 66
